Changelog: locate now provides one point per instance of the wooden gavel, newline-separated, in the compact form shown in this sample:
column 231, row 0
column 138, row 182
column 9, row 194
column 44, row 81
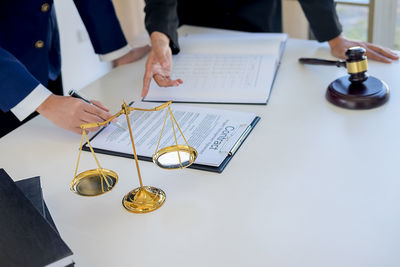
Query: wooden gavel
column 357, row 90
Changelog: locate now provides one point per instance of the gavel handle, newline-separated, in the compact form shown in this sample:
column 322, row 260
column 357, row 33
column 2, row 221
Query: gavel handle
column 318, row 61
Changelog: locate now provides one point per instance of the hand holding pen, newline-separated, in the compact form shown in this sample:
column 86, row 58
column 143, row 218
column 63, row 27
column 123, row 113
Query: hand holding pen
column 75, row 94
column 70, row 113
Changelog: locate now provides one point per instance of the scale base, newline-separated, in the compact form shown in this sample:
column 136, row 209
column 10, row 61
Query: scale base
column 369, row 94
column 143, row 200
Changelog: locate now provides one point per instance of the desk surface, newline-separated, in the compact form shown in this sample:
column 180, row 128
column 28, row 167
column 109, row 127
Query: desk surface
column 315, row 185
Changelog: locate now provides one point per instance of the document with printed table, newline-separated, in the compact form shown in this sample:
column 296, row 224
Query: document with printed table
column 216, row 134
column 223, row 66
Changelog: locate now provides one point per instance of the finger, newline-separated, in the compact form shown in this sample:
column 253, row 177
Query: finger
column 98, row 112
column 371, row 54
column 383, row 51
column 146, row 82
column 93, row 129
column 90, row 118
column 148, row 75
column 80, row 130
column 165, row 81
column 77, row 130
column 98, row 104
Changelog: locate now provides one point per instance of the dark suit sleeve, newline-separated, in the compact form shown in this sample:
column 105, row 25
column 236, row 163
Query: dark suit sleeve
column 102, row 25
column 323, row 19
column 16, row 81
column 161, row 16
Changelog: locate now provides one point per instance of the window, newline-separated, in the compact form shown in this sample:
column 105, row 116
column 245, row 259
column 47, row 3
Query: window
column 397, row 33
column 371, row 20
column 354, row 16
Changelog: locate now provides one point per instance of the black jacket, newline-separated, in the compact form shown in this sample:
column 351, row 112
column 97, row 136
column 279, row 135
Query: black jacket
column 258, row 15
column 161, row 15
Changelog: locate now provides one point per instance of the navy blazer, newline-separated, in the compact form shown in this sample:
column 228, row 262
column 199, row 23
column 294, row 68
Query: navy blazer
column 29, row 43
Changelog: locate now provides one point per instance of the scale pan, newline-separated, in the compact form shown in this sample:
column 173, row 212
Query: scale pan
column 175, row 157
column 93, row 183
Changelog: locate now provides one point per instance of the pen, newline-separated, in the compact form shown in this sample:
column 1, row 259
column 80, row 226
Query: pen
column 75, row 94
column 240, row 140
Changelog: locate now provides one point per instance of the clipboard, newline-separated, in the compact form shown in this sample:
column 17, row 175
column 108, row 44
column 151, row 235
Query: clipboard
column 203, row 167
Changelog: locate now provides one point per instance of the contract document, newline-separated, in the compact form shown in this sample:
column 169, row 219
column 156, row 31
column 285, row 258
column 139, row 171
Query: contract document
column 215, row 134
column 223, row 67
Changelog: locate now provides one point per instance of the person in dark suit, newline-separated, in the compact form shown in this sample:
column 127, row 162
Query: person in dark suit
column 30, row 62
column 266, row 16
column 257, row 16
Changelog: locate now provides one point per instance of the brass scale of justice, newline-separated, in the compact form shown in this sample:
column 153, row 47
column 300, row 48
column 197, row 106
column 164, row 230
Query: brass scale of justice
column 143, row 199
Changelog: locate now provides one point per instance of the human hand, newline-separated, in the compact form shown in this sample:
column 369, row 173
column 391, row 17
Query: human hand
column 69, row 113
column 159, row 63
column 133, row 55
column 340, row 44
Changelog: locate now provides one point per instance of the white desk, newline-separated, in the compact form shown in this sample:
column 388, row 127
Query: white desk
column 314, row 185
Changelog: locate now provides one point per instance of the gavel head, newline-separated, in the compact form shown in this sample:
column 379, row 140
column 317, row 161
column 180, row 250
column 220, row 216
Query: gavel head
column 357, row 64
column 357, row 90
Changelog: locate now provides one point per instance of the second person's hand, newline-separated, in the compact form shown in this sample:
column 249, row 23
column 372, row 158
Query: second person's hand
column 133, row 55
column 340, row 44
column 159, row 63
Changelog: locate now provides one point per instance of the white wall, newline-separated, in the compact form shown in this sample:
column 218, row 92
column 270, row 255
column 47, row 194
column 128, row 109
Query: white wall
column 80, row 65
column 131, row 16
column 294, row 21
column 384, row 28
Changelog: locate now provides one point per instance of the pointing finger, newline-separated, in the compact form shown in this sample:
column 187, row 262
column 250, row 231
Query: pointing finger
column 98, row 104
column 378, row 57
column 165, row 81
column 383, row 51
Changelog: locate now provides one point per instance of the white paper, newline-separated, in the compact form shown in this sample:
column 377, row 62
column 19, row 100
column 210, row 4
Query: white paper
column 219, row 79
column 212, row 132
column 216, row 67
column 234, row 43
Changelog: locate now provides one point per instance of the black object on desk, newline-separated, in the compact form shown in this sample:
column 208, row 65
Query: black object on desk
column 357, row 90
column 26, row 237
column 32, row 189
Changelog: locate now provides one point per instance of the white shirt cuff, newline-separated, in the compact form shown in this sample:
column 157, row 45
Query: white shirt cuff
column 116, row 54
column 31, row 102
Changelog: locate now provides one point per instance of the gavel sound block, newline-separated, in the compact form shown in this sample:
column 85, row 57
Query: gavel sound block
column 357, row 90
